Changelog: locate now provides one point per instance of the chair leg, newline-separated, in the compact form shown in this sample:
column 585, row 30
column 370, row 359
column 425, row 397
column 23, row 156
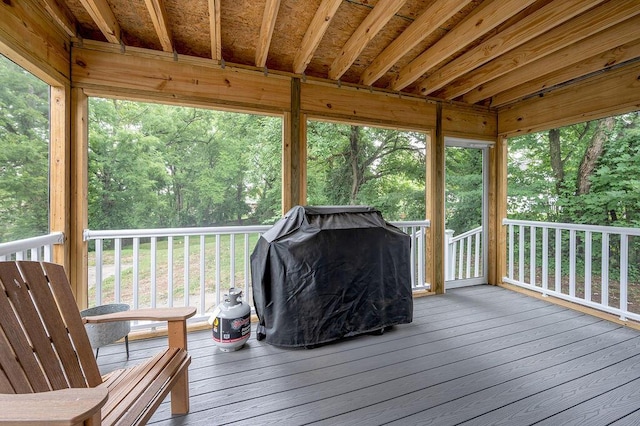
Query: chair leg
column 97, row 350
column 126, row 344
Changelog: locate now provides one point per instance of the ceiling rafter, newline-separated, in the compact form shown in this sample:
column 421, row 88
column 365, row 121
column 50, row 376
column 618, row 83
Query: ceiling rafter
column 570, row 33
column 372, row 24
column 611, row 57
column 428, row 22
column 160, row 23
column 483, row 19
column 610, row 38
column 214, row 30
column 321, row 20
column 266, row 31
column 62, row 15
column 104, row 18
column 550, row 16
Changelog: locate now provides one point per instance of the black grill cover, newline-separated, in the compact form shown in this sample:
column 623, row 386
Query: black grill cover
column 322, row 273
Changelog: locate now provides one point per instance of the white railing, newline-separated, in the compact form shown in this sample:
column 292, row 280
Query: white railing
column 149, row 267
column 584, row 264
column 36, row 248
column 463, row 254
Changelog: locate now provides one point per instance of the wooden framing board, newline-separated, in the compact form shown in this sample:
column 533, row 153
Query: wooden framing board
column 437, row 193
column 497, row 211
column 32, row 40
column 612, row 92
column 469, row 122
column 160, row 76
column 367, row 107
column 294, row 153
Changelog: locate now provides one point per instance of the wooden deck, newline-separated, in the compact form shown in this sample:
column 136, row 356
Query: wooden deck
column 480, row 355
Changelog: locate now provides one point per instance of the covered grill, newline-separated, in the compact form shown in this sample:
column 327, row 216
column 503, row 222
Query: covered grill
column 323, row 273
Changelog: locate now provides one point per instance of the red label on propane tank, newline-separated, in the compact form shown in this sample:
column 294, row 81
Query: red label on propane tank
column 227, row 330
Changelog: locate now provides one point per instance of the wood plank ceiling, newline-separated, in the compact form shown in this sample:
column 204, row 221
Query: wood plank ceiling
column 486, row 52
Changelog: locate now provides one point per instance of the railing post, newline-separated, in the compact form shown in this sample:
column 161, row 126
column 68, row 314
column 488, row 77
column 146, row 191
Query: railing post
column 448, row 267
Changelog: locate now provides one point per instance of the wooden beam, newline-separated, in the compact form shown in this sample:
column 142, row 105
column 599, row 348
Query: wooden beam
column 158, row 75
column 570, row 33
column 60, row 170
column 497, row 211
column 366, row 31
column 316, row 30
column 294, row 152
column 430, row 207
column 30, row 38
column 612, row 92
column 103, row 16
column 266, row 31
column 362, row 106
column 588, row 66
column 61, row 15
column 551, row 15
column 78, row 271
column 483, row 19
column 428, row 22
column 159, row 18
column 610, row 38
column 471, row 123
column 214, row 29
column 437, row 227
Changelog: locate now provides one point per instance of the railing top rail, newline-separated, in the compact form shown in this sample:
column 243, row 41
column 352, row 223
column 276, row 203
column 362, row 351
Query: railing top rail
column 575, row 226
column 29, row 243
column 400, row 224
column 213, row 230
column 467, row 234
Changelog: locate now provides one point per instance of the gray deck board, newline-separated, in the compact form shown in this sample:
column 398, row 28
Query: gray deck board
column 476, row 355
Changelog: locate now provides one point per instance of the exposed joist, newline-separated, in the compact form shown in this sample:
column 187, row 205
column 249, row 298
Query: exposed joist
column 372, row 24
column 103, row 16
column 570, row 33
column 266, row 31
column 160, row 23
column 551, row 15
column 214, row 30
column 316, row 30
column 593, row 64
column 61, row 15
column 610, row 38
column 483, row 19
column 428, row 22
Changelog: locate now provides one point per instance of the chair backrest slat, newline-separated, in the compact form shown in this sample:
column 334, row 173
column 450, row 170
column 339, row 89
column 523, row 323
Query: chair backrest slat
column 43, row 330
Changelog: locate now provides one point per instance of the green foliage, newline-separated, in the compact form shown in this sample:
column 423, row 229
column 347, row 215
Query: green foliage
column 351, row 165
column 24, row 153
column 463, row 210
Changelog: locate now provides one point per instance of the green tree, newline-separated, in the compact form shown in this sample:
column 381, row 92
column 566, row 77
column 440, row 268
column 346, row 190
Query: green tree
column 24, row 153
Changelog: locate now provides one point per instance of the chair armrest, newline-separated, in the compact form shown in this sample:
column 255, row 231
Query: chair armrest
column 60, row 407
column 150, row 314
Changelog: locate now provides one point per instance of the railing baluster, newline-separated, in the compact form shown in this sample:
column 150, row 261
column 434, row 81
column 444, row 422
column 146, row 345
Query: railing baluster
column 154, row 264
column 511, row 248
column 558, row 266
column 136, row 273
column 476, row 270
column 118, row 269
column 545, row 260
column 572, row 263
column 247, row 263
column 532, row 255
column 187, row 260
column 521, row 253
column 468, row 268
column 624, row 268
column 203, row 293
column 232, row 260
column 218, row 271
column 421, row 256
column 170, row 272
column 587, row 265
column 99, row 264
column 412, row 255
column 604, row 284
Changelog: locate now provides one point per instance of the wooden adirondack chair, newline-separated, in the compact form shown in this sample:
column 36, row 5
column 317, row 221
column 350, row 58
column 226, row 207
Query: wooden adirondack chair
column 48, row 373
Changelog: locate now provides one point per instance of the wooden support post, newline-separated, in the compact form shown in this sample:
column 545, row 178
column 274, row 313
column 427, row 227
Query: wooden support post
column 294, row 168
column 430, row 247
column 438, row 201
column 498, row 211
column 79, row 188
column 60, row 171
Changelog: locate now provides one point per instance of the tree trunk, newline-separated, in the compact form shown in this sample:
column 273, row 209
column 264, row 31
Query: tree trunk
column 356, row 172
column 555, row 155
column 592, row 154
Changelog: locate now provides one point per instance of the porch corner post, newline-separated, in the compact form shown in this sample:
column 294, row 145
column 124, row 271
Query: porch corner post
column 60, row 171
column 438, row 205
column 498, row 212
column 294, row 141
column 79, row 188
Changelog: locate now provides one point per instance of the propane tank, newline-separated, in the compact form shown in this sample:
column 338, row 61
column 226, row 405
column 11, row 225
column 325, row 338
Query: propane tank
column 231, row 322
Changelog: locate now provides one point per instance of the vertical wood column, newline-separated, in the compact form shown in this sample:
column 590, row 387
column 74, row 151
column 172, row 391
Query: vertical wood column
column 430, row 173
column 438, row 202
column 497, row 211
column 294, row 166
column 60, row 171
column 79, row 188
